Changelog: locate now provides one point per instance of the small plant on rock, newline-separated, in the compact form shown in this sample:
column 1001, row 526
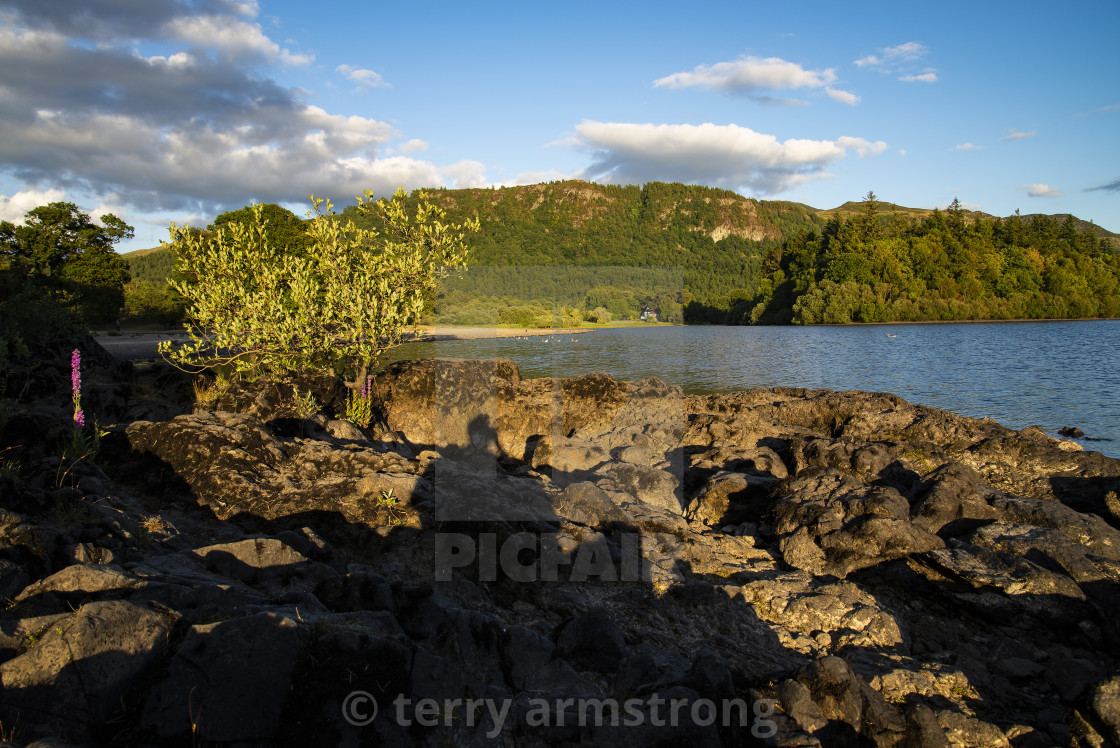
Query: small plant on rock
column 391, row 505
column 359, row 408
column 305, row 404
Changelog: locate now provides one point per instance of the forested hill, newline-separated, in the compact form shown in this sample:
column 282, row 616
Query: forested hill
column 716, row 237
column 870, row 267
column 726, row 258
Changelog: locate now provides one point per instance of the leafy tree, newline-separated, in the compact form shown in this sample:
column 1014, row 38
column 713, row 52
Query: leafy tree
column 284, row 228
column 333, row 308
column 60, row 248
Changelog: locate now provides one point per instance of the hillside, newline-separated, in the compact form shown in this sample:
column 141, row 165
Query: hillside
column 701, row 254
column 852, row 209
column 714, row 239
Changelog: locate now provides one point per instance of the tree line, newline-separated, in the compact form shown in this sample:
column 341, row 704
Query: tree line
column 946, row 266
column 574, row 252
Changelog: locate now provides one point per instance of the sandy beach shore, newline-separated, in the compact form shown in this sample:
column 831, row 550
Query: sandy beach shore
column 479, row 333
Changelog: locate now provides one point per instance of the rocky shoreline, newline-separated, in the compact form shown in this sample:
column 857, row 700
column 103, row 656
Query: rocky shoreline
column 496, row 558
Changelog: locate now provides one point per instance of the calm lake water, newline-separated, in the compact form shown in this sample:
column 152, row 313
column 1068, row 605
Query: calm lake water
column 1050, row 374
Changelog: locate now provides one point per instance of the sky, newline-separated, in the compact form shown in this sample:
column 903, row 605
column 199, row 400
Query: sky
column 164, row 111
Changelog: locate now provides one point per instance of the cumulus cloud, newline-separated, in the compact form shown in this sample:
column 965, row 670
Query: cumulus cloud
column 15, row 207
column 412, row 146
column 232, row 39
column 1042, row 190
column 1113, row 186
column 754, row 75
column 200, row 127
column 364, row 78
column 1017, row 135
column 860, row 146
column 892, row 57
column 968, row 147
column 112, row 20
column 844, row 97
column 721, row 155
column 749, row 74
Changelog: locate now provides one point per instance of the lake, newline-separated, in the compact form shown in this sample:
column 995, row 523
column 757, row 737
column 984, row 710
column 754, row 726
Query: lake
column 1050, row 374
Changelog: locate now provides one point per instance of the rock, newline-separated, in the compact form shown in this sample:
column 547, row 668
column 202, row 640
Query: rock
column 82, row 668
column 345, row 431
column 658, row 488
column 556, row 455
column 730, row 498
column 886, row 573
column 587, row 504
column 1071, row 431
column 592, row 641
column 1002, row 586
column 1096, row 722
column 265, row 561
column 233, row 464
column 78, row 583
column 228, row 681
column 831, row 524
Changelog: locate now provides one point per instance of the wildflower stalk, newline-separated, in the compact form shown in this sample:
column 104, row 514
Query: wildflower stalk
column 76, row 387
column 359, row 408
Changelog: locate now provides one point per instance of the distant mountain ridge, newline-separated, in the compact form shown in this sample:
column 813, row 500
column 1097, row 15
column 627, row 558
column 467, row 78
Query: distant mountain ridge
column 733, row 214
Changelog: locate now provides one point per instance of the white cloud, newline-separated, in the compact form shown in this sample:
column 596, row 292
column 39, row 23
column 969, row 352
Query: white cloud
column 364, row 78
column 111, row 203
column 968, row 147
column 930, row 76
column 536, row 177
column 750, row 74
column 412, row 146
column 201, row 127
column 14, row 208
column 1042, row 190
column 1017, row 135
column 720, row 155
column 890, row 57
column 233, row 39
column 902, row 152
column 844, row 97
column 754, row 75
column 860, row 146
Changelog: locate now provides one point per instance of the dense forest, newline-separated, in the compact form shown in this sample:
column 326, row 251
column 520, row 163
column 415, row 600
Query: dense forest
column 945, row 266
column 571, row 252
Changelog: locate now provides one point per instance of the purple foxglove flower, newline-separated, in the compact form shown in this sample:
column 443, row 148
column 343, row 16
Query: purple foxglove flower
column 76, row 387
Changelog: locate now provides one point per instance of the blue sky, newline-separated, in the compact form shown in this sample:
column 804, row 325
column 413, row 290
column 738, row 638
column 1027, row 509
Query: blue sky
column 175, row 110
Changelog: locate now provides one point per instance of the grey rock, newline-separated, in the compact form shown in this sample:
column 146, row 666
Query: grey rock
column 229, row 681
column 592, row 641
column 829, row 523
column 557, row 455
column 345, row 431
column 87, row 662
column 659, row 488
